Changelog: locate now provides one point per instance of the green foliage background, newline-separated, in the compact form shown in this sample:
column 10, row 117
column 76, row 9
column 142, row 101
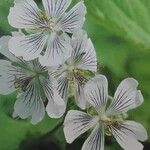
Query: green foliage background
column 120, row 31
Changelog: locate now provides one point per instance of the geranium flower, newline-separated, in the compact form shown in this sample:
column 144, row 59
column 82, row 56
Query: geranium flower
column 104, row 119
column 33, row 83
column 47, row 40
column 71, row 73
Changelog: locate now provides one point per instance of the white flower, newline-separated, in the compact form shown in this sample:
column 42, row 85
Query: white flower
column 107, row 119
column 33, row 83
column 49, row 39
column 71, row 73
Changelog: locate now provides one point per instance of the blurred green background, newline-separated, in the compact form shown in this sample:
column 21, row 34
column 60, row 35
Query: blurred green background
column 120, row 31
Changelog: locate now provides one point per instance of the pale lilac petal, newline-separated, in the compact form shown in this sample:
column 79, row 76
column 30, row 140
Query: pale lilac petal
column 54, row 110
column 25, row 14
column 6, row 78
column 56, row 8
column 62, row 77
column 14, row 46
column 56, row 106
column 96, row 139
column 125, row 141
column 39, row 112
column 126, row 97
column 30, row 104
column 134, row 130
column 96, row 92
column 84, row 54
column 89, row 60
column 63, row 86
column 74, row 19
column 58, row 50
column 29, row 47
column 4, row 48
column 80, row 96
column 77, row 123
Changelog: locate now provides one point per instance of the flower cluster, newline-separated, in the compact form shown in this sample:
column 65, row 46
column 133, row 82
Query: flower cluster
column 50, row 58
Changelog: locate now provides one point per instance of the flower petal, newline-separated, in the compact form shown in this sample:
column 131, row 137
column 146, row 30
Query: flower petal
column 54, row 110
column 80, row 96
column 77, row 123
column 30, row 104
column 25, row 14
column 6, row 79
column 125, row 141
column 126, row 97
column 4, row 48
column 96, row 91
column 63, row 86
column 74, row 19
column 62, row 77
column 56, row 8
column 58, row 50
column 56, row 106
column 84, row 54
column 96, row 140
column 29, row 47
column 14, row 46
column 134, row 130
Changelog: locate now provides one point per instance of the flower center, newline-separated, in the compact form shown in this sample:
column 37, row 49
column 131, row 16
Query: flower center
column 49, row 22
column 69, row 67
column 23, row 73
column 104, row 118
column 110, row 122
column 21, row 83
column 51, row 25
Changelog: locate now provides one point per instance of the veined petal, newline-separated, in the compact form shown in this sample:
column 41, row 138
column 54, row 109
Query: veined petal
column 126, row 97
column 6, row 78
column 125, row 141
column 77, row 123
column 56, row 8
column 74, row 19
column 30, row 104
column 84, row 54
column 50, row 86
column 63, row 86
column 96, row 92
column 4, row 48
column 80, row 96
column 54, row 110
column 89, row 60
column 96, row 140
column 29, row 46
column 25, row 14
column 39, row 112
column 58, row 50
column 33, row 45
column 62, row 77
column 56, row 106
column 134, row 130
column 14, row 46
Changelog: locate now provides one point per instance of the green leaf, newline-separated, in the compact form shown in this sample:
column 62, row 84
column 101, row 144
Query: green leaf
column 129, row 19
column 15, row 131
column 4, row 11
column 12, row 132
column 112, row 52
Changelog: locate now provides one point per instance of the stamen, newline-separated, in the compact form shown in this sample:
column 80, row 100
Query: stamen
column 21, row 83
column 78, row 75
column 92, row 111
column 116, row 124
column 42, row 15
